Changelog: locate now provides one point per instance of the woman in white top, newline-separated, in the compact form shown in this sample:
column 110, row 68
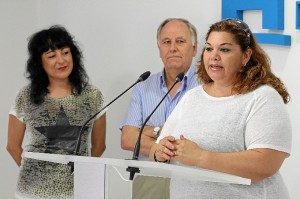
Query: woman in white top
column 236, row 122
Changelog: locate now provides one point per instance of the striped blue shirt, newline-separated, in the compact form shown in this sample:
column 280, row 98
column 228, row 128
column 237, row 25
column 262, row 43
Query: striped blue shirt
column 147, row 94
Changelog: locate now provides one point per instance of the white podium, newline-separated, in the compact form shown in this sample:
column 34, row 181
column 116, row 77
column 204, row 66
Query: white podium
column 91, row 179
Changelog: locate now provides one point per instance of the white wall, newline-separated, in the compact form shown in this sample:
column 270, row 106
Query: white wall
column 17, row 20
column 118, row 41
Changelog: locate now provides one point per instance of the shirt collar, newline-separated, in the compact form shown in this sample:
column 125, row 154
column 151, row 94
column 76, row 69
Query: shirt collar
column 188, row 77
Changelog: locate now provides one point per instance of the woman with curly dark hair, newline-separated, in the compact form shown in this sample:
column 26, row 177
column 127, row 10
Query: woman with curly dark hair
column 50, row 112
column 235, row 122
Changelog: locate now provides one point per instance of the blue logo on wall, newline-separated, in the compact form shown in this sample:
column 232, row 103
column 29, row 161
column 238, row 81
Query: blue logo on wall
column 272, row 17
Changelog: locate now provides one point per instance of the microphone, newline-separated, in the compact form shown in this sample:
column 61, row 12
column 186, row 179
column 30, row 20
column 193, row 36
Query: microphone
column 142, row 77
column 137, row 147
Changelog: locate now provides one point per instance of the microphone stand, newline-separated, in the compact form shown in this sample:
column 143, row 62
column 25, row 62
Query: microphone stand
column 143, row 77
column 137, row 147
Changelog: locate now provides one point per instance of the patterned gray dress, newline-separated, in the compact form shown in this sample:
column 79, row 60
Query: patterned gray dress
column 53, row 127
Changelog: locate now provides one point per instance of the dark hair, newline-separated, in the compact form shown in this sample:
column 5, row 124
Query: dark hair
column 257, row 71
column 56, row 37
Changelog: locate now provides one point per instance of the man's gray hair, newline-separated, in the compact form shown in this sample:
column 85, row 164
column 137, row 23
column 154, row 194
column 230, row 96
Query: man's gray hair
column 190, row 26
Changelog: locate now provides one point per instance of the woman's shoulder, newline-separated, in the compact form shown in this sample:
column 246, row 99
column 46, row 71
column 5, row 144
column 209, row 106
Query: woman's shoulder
column 22, row 99
column 193, row 93
column 91, row 89
column 93, row 92
column 195, row 90
column 25, row 88
column 266, row 92
column 24, row 92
